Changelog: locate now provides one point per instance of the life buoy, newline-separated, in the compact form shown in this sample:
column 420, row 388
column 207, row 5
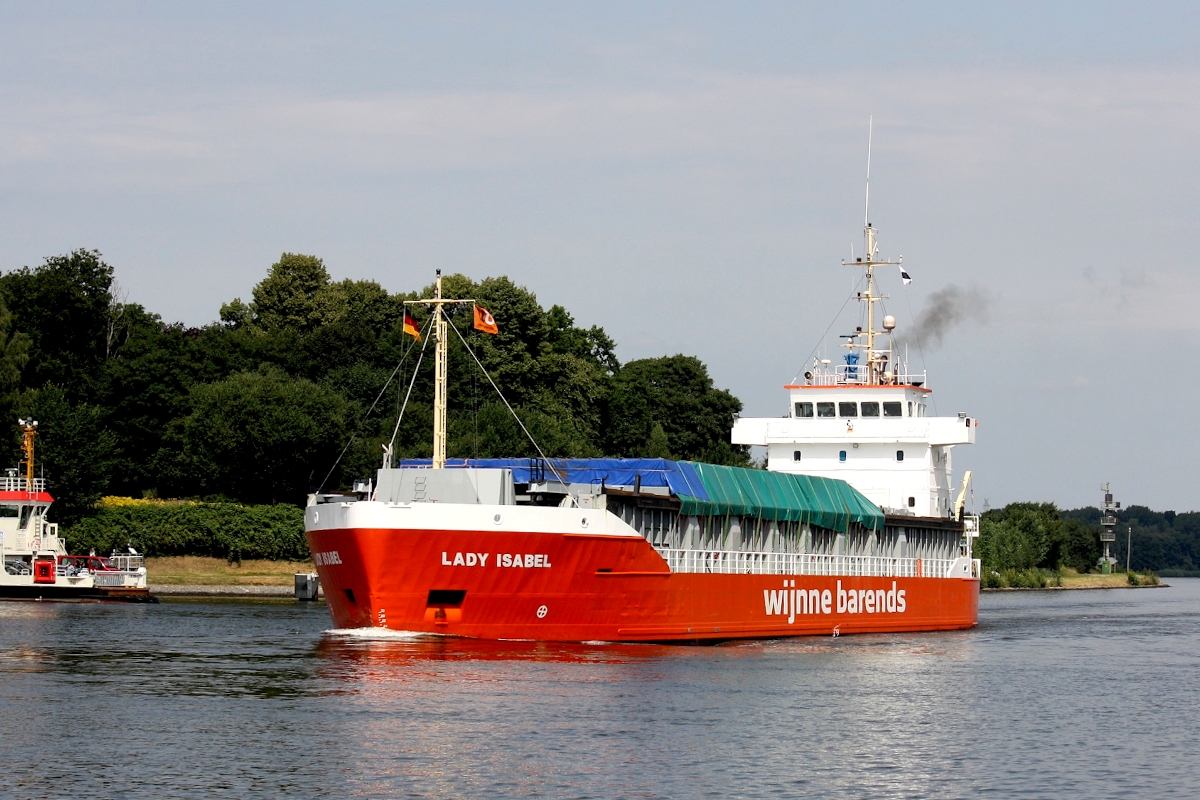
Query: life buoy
column 36, row 544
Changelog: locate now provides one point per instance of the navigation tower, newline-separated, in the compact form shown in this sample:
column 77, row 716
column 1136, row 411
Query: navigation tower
column 1108, row 521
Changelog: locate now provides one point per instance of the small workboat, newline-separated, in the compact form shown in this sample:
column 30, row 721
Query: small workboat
column 37, row 564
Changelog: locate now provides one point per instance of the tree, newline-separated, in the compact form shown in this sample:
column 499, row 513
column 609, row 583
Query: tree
column 256, row 437
column 250, row 407
column 287, row 297
column 364, row 303
column 592, row 344
column 555, row 375
column 1079, row 547
column 144, row 387
column 14, row 353
column 1019, row 536
column 76, row 452
column 64, row 307
column 676, row 393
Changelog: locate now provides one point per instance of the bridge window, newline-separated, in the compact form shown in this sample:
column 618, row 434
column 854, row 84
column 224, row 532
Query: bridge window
column 912, row 502
column 899, row 455
column 892, row 410
column 841, row 455
column 9, row 511
column 870, row 409
column 804, row 410
column 847, row 409
column 825, row 410
column 795, row 455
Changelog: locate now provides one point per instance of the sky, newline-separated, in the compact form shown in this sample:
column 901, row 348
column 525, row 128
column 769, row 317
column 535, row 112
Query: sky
column 688, row 176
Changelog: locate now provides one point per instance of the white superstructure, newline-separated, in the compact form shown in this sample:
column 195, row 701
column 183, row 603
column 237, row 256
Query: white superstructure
column 866, row 420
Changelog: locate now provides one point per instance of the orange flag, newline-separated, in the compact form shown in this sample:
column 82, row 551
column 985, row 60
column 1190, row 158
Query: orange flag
column 484, row 321
column 410, row 327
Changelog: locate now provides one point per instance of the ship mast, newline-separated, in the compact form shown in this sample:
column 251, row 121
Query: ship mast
column 876, row 358
column 28, row 432
column 440, row 383
column 439, row 378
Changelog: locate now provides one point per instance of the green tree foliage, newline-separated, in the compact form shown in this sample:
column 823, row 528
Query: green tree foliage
column 14, row 353
column 63, row 306
column 144, row 388
column 255, row 437
column 1077, row 547
column 288, row 296
column 77, row 453
column 556, row 376
column 1017, row 536
column 1163, row 541
column 1024, row 536
column 675, row 394
column 258, row 405
column 221, row 530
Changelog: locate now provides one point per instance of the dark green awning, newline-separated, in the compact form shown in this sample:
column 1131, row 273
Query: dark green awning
column 823, row 502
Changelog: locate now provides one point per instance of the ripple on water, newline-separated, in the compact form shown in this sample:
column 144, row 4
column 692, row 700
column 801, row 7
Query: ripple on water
column 197, row 700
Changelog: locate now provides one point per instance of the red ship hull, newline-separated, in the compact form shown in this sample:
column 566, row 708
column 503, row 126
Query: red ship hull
column 582, row 587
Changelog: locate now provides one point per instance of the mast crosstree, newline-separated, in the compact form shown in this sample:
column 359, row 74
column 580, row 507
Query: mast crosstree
column 877, row 357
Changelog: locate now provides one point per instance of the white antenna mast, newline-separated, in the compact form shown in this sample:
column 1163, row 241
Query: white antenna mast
column 876, row 358
column 867, row 203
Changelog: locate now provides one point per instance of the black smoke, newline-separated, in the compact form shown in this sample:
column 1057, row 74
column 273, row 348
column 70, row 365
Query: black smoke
column 944, row 309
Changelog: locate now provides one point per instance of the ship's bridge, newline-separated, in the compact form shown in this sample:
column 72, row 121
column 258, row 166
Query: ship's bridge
column 878, row 438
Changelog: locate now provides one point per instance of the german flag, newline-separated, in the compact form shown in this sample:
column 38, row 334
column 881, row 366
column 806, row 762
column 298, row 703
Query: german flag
column 410, row 328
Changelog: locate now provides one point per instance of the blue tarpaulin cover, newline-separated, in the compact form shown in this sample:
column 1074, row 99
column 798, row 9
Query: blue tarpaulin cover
column 705, row 489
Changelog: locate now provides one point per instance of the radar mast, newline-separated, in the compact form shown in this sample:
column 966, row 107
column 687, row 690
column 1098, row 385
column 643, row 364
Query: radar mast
column 876, row 357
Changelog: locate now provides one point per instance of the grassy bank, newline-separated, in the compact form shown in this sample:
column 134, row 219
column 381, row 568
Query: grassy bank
column 1065, row 579
column 205, row 571
column 1113, row 580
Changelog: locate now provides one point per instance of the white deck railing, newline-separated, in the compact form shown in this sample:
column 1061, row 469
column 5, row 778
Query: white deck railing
column 732, row 562
column 858, row 375
column 120, row 579
column 11, row 483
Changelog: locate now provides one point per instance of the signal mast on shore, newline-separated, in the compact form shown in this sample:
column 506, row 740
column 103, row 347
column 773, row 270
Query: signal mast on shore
column 1108, row 521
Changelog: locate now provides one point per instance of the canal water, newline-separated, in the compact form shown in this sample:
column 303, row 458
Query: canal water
column 1055, row 694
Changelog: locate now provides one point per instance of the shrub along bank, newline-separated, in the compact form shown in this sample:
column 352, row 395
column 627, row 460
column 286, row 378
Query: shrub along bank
column 163, row 528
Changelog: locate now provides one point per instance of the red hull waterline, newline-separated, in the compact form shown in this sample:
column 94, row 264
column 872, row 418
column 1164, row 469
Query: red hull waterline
column 583, row 587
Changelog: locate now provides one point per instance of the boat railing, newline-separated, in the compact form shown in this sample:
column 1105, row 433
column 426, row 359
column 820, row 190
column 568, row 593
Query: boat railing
column 128, row 562
column 13, row 483
column 858, row 375
column 120, row 579
column 109, row 579
column 736, row 562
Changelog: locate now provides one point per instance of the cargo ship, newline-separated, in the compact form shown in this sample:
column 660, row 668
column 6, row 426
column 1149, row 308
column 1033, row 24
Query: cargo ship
column 850, row 529
column 37, row 563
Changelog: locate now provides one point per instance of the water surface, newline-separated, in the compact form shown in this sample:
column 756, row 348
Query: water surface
column 1055, row 694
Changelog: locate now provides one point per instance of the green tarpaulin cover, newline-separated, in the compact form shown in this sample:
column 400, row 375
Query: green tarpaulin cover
column 824, row 502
